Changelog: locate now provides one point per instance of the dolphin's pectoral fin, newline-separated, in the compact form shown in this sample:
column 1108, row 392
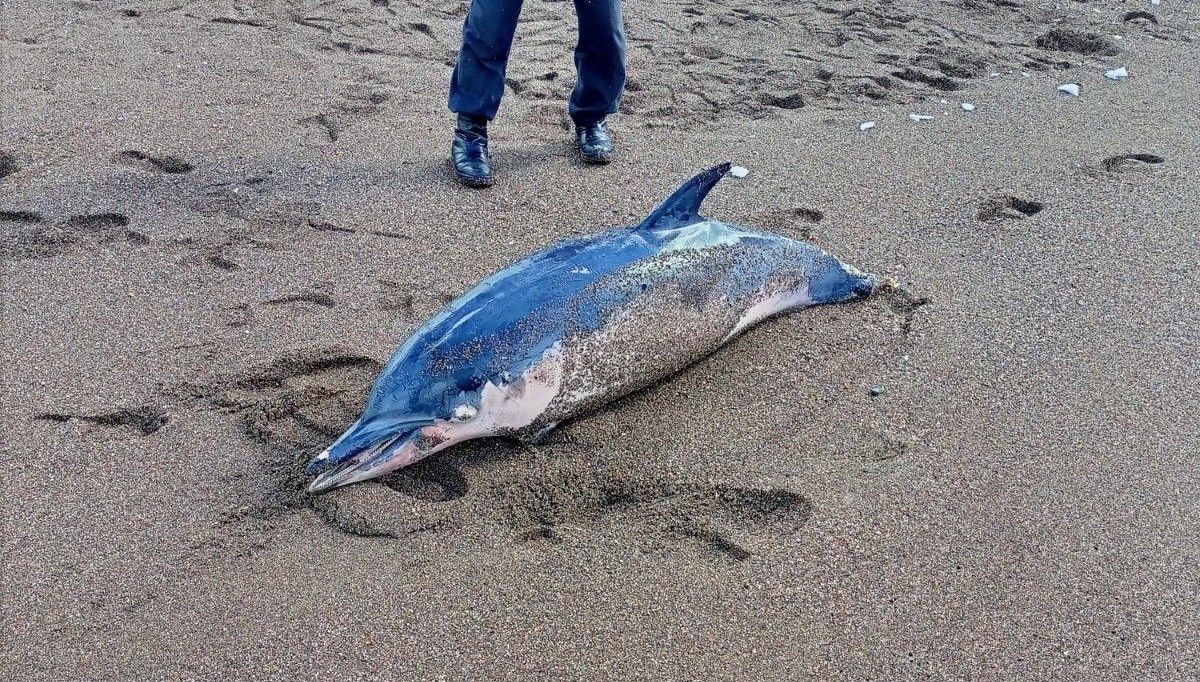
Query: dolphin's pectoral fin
column 683, row 207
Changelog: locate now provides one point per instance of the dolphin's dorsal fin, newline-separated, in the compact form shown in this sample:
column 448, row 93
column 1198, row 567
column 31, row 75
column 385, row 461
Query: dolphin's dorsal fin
column 683, row 207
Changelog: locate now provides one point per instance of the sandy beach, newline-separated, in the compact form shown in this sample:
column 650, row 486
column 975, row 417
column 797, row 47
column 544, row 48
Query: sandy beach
column 218, row 219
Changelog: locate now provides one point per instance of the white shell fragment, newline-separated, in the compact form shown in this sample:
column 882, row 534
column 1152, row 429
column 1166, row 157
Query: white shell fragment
column 739, row 172
column 1070, row 89
column 967, row 106
column 866, row 125
column 920, row 117
column 1118, row 74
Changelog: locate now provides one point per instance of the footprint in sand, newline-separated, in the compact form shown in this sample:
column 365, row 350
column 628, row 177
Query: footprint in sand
column 1008, row 207
column 954, row 62
column 788, row 100
column 560, row 498
column 145, row 419
column 8, row 164
column 323, row 226
column 943, row 83
column 98, row 221
column 1140, row 18
column 34, row 237
column 1124, row 163
column 222, row 262
column 20, row 216
column 1065, row 39
column 422, row 28
column 240, row 21
column 166, row 164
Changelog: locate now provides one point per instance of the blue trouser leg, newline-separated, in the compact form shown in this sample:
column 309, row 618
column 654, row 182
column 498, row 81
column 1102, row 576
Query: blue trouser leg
column 478, row 79
column 477, row 83
column 599, row 61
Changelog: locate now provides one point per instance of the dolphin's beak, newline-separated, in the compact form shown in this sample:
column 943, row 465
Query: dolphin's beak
column 383, row 457
column 342, row 474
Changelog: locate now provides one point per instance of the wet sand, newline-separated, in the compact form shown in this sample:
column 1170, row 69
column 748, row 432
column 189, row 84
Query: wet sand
column 219, row 219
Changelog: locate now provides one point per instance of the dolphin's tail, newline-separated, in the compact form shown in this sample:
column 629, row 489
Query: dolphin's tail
column 833, row 281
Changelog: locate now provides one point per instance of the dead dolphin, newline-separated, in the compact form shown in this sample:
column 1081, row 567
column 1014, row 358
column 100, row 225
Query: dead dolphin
column 577, row 325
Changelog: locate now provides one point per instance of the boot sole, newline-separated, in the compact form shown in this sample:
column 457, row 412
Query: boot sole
column 475, row 182
column 596, row 159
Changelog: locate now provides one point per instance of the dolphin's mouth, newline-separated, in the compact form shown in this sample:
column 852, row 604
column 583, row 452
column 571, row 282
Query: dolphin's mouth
column 374, row 461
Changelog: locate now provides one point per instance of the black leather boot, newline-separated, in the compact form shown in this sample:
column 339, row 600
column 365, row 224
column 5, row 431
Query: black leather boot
column 595, row 142
column 469, row 152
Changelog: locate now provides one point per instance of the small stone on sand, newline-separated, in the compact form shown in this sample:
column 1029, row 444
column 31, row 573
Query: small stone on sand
column 920, row 117
column 967, row 106
column 866, row 125
column 1118, row 74
column 1070, row 89
column 739, row 172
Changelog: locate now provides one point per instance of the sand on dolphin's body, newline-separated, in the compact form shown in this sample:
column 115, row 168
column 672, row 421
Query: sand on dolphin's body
column 226, row 216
